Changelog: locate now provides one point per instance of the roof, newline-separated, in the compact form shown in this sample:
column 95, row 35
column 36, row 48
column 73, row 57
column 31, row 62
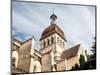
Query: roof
column 53, row 28
column 71, row 52
column 37, row 53
column 16, row 40
column 27, row 40
column 22, row 42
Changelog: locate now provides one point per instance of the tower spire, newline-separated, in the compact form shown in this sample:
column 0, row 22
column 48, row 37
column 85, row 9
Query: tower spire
column 53, row 17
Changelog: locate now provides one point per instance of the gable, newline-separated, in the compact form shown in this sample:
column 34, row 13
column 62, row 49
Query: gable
column 71, row 52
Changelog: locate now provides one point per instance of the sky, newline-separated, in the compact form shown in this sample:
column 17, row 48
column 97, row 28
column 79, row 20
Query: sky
column 77, row 22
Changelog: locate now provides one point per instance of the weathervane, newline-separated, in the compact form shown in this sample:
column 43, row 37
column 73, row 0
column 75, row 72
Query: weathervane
column 53, row 17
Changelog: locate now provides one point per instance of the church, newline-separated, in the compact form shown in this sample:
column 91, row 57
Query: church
column 53, row 55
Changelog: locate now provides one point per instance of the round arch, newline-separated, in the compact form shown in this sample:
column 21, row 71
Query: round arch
column 36, row 66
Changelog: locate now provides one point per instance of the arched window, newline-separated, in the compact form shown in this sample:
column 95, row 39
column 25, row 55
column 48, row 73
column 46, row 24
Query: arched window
column 44, row 44
column 36, row 66
column 58, row 39
column 52, row 40
column 48, row 42
column 63, row 44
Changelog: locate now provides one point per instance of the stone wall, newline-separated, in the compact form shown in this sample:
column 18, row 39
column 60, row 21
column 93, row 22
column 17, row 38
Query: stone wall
column 72, row 61
column 46, row 62
column 61, row 66
column 24, row 56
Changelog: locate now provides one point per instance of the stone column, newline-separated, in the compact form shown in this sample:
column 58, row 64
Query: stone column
column 32, row 56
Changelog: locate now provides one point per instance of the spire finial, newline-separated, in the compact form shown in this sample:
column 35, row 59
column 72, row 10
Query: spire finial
column 53, row 17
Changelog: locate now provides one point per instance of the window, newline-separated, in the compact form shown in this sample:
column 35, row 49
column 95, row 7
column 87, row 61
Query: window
column 52, row 40
column 58, row 39
column 44, row 44
column 48, row 42
column 63, row 44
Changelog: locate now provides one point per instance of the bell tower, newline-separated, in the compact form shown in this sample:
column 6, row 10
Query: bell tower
column 52, row 43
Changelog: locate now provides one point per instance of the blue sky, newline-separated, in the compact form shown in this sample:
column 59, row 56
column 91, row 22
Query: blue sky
column 77, row 22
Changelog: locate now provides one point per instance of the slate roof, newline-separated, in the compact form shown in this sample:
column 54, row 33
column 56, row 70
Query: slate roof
column 71, row 52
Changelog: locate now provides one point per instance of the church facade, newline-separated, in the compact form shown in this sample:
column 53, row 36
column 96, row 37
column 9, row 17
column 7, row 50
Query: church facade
column 53, row 55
